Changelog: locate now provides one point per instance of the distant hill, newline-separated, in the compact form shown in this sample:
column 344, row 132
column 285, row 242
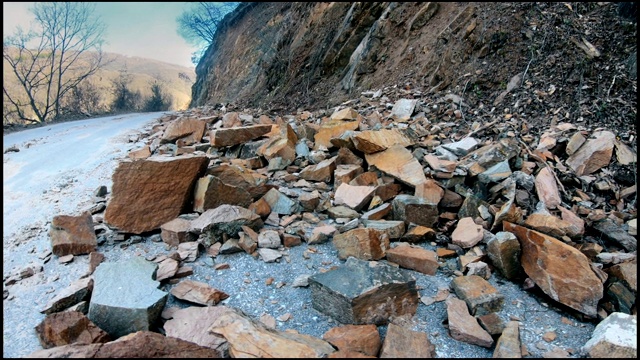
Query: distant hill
column 176, row 80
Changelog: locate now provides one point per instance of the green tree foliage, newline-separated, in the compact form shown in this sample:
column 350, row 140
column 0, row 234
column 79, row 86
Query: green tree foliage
column 198, row 25
column 48, row 59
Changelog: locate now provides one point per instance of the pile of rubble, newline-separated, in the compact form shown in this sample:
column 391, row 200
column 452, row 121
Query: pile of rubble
column 396, row 187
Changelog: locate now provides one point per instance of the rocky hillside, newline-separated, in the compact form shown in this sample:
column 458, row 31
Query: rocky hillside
column 579, row 57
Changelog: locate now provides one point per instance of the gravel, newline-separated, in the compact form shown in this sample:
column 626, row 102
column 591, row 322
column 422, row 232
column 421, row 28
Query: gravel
column 36, row 188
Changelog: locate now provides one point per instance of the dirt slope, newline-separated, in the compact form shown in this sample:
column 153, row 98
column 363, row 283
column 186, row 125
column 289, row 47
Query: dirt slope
column 579, row 59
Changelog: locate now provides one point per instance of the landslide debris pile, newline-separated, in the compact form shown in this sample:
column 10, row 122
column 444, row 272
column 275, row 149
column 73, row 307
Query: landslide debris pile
column 395, row 186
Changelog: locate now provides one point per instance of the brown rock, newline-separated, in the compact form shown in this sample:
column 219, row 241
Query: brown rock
column 141, row 344
column 508, row 345
column 504, row 251
column 366, row 244
column 330, row 130
column 547, row 188
column 95, row 258
column 548, row 224
column 363, row 339
column 430, row 191
column 464, row 327
column 398, row 162
column 394, row 229
column 73, row 234
column 346, row 354
column 467, row 233
column 322, row 171
column 241, row 177
column 187, row 131
column 140, row 203
column 176, row 231
column 344, row 173
column 225, row 219
column 167, row 268
column 593, row 154
column 387, row 191
column 249, row 338
column 492, row 323
column 625, row 154
column 355, row 197
column 69, row 327
column 400, row 342
column 140, row 154
column 198, row 292
column 560, row 270
column 378, row 213
column 237, row 135
column 481, row 297
column 372, row 141
column 193, row 323
column 369, row 178
column 575, row 142
column 211, row 192
column 416, row 210
column 440, row 164
column 418, row 233
column 576, row 224
column 414, row 258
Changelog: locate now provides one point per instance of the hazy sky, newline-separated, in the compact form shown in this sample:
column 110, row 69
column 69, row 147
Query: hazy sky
column 144, row 29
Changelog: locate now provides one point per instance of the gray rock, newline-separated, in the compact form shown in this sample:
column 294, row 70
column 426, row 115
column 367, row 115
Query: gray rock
column 462, row 147
column 126, row 297
column 364, row 292
column 280, row 203
column 614, row 337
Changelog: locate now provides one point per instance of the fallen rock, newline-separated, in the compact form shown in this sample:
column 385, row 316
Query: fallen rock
column 355, row 197
column 193, row 323
column 464, row 327
column 210, row 192
column 414, row 258
column 250, row 338
column 198, row 292
column 76, row 292
column 73, row 235
column 365, row 244
column 372, row 141
column 126, row 297
column 176, row 232
column 363, row 339
column 184, row 132
column 69, row 327
column 398, row 162
column 614, row 337
column 467, row 234
column 504, row 251
column 400, row 343
column 508, row 345
column 238, row 135
column 560, row 270
column 225, row 219
column 140, row 203
column 616, row 234
column 480, row 296
column 363, row 292
column 141, row 344
column 593, row 154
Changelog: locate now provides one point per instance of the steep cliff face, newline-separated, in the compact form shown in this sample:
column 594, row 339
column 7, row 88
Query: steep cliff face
column 294, row 54
column 309, row 55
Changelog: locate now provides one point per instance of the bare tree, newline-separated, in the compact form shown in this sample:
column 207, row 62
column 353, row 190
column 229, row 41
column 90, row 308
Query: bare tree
column 199, row 24
column 51, row 60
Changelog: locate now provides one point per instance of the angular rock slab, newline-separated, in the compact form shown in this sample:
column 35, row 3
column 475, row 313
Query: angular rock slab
column 593, row 154
column 193, row 323
column 364, row 339
column 364, row 292
column 560, row 270
column 69, row 327
column 227, row 219
column 148, row 193
column 372, row 141
column 508, row 345
column 211, row 192
column 481, row 297
column 614, row 337
column 126, row 297
column 185, row 131
column 464, row 327
column 72, row 235
column 198, row 292
column 400, row 342
column 239, row 135
column 250, row 338
column 363, row 243
column 398, row 162
column 142, row 344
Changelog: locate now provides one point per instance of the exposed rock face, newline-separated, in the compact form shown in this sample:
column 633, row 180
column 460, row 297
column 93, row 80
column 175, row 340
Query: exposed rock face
column 148, row 193
column 560, row 270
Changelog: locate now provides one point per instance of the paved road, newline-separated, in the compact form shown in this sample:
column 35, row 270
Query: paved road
column 55, row 172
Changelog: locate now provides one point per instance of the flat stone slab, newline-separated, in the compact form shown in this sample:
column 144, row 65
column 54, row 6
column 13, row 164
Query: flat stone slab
column 481, row 297
column 364, row 292
column 126, row 297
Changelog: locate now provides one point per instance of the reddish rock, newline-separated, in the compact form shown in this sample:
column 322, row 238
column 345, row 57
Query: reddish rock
column 323, row 171
column 560, row 270
column 355, row 197
column 467, row 233
column 73, row 234
column 430, row 191
column 547, row 188
column 237, row 135
column 186, row 131
column 480, row 296
column 364, row 339
column 140, row 202
column 69, row 327
column 193, row 323
column 198, row 292
column 593, row 154
column 344, row 173
column 508, row 345
column 401, row 342
column 77, row 291
column 211, row 192
column 365, row 244
column 372, row 141
column 398, row 162
column 464, row 327
column 414, row 258
column 176, row 231
column 140, row 154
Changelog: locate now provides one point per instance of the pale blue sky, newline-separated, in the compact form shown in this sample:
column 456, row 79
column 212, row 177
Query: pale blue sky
column 144, row 29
